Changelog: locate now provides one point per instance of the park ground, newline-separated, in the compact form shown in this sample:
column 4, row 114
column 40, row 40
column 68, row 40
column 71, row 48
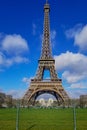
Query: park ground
column 43, row 119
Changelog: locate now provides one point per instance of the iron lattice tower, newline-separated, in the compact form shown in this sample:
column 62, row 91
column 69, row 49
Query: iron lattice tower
column 46, row 61
column 38, row 86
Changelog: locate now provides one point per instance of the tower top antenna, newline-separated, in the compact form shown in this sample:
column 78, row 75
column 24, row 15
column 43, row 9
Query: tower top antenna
column 46, row 1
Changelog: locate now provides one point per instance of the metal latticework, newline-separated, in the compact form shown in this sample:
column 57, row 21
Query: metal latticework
column 46, row 62
column 46, row 49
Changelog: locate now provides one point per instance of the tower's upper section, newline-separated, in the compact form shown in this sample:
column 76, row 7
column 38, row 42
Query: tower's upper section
column 46, row 53
column 46, row 7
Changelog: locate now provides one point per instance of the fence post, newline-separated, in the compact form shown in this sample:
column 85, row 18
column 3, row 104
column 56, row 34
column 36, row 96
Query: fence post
column 74, row 116
column 17, row 116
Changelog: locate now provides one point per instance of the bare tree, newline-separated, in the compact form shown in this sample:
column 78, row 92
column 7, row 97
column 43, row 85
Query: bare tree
column 2, row 99
column 8, row 101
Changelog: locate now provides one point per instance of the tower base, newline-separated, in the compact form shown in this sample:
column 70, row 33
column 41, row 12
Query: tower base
column 40, row 87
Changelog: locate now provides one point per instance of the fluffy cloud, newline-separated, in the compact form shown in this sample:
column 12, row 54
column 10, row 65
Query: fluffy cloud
column 76, row 89
column 14, row 44
column 12, row 49
column 53, row 34
column 26, row 80
column 70, row 33
column 16, row 93
column 6, row 62
column 72, row 77
column 75, row 93
column 53, row 38
column 1, row 58
column 19, row 93
column 79, row 33
column 81, row 38
column 17, row 59
column 80, row 85
column 74, row 66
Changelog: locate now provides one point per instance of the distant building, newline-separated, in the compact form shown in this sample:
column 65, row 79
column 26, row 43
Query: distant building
column 83, row 100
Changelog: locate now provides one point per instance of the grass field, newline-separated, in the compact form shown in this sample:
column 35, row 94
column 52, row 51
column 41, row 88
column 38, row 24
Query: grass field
column 43, row 119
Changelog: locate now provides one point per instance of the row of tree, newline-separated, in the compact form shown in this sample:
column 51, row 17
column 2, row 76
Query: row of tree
column 8, row 101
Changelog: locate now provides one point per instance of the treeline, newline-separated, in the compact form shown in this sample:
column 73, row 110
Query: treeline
column 6, row 101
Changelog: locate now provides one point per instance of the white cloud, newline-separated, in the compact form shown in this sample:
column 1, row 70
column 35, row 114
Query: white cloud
column 26, row 80
column 14, row 44
column 6, row 62
column 16, row 93
column 1, row 58
column 79, row 33
column 72, row 77
column 79, row 85
column 75, row 93
column 17, row 59
column 12, row 49
column 70, row 33
column 53, row 38
column 81, row 38
column 53, row 34
column 74, row 66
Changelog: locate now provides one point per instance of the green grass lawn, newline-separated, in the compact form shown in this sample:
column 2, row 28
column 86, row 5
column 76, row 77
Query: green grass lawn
column 43, row 119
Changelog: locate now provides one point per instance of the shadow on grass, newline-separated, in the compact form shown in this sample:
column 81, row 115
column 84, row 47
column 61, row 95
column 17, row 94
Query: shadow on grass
column 31, row 127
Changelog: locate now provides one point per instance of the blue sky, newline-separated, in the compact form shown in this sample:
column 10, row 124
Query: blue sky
column 21, row 28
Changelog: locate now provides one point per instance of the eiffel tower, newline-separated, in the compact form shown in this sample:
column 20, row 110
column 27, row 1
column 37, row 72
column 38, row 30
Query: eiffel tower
column 46, row 62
